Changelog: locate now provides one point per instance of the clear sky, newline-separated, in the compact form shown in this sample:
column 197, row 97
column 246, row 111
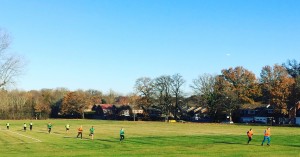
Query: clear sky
column 108, row 44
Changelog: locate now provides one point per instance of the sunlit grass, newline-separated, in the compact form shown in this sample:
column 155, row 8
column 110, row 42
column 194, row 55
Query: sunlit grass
column 144, row 139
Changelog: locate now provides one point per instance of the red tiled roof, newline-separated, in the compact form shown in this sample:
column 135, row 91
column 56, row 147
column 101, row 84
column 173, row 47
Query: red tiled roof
column 106, row 106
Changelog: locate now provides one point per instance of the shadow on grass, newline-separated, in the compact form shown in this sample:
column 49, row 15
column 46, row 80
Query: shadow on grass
column 290, row 145
column 228, row 142
column 107, row 140
column 75, row 137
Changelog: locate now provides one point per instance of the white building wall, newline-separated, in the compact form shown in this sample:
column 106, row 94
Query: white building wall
column 260, row 119
column 246, row 119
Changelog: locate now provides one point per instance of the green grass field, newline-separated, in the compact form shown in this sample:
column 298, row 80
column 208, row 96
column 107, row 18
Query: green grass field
column 144, row 139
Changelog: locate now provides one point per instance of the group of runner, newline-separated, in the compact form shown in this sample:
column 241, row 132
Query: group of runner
column 80, row 130
column 92, row 131
column 267, row 134
column 24, row 126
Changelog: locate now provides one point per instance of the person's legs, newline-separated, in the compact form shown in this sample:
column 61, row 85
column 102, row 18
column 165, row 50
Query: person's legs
column 121, row 138
column 250, row 138
column 269, row 140
column 263, row 140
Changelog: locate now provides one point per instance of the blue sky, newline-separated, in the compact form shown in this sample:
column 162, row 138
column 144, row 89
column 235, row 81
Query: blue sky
column 108, row 44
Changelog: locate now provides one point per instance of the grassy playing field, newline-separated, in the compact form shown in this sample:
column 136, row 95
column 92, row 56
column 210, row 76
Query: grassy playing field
column 144, row 139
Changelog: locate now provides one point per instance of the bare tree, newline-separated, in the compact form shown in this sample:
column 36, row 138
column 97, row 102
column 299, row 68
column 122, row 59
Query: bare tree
column 11, row 66
column 176, row 84
column 110, row 97
column 162, row 87
column 204, row 89
column 144, row 87
column 203, row 85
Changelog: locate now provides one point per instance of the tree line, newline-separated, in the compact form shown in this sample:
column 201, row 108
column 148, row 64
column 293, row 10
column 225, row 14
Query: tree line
column 278, row 85
column 53, row 103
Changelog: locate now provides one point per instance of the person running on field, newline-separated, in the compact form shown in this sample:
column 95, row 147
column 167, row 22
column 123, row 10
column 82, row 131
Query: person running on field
column 7, row 126
column 122, row 135
column 49, row 125
column 249, row 134
column 267, row 136
column 24, row 126
column 80, row 132
column 67, row 128
column 92, row 130
column 30, row 125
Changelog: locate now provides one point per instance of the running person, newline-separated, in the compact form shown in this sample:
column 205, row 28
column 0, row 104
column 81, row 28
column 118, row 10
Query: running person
column 7, row 126
column 30, row 125
column 49, row 126
column 67, row 128
column 92, row 130
column 80, row 132
column 267, row 136
column 122, row 135
column 249, row 134
column 24, row 126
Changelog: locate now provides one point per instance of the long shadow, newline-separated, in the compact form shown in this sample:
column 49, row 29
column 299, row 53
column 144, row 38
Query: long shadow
column 42, row 132
column 227, row 142
column 290, row 145
column 56, row 133
column 69, row 137
column 106, row 140
column 75, row 137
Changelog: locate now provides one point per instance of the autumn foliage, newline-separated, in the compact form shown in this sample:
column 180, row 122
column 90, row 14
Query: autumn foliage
column 278, row 86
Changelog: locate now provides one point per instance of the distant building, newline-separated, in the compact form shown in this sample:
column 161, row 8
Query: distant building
column 256, row 113
column 297, row 110
column 107, row 109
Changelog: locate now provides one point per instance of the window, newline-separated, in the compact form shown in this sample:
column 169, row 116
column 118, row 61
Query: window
column 251, row 111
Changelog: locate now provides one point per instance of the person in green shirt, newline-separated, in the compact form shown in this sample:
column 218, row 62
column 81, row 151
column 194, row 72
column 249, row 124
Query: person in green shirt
column 49, row 127
column 7, row 126
column 92, row 130
column 122, row 135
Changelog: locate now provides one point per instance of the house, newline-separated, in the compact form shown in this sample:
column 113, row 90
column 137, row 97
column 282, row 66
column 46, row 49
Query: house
column 298, row 118
column 297, row 110
column 256, row 113
column 108, row 109
column 198, row 114
column 137, row 111
column 123, row 110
